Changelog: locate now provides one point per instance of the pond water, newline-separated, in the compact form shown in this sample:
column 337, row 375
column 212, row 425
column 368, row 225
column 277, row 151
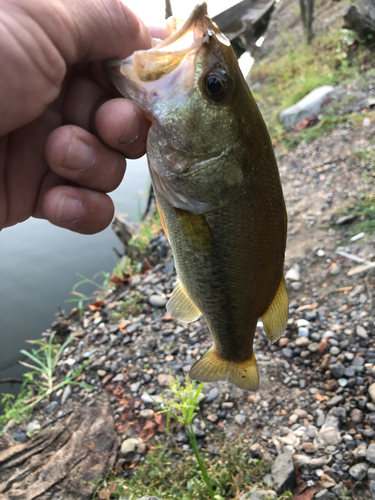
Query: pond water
column 39, row 265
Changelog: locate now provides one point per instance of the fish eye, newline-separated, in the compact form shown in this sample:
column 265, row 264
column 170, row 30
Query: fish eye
column 215, row 85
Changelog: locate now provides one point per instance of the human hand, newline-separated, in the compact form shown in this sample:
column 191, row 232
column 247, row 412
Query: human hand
column 64, row 131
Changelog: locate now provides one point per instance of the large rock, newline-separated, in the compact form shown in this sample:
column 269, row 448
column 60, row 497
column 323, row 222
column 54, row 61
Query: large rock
column 307, row 107
column 282, row 473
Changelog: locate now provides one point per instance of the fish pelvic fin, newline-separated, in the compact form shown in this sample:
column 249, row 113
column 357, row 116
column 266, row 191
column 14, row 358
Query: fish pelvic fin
column 180, row 305
column 211, row 367
column 276, row 317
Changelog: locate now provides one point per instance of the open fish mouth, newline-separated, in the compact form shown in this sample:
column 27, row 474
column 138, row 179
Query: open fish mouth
column 166, row 55
column 146, row 66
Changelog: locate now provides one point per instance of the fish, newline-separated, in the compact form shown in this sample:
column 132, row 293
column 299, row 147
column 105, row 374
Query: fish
column 218, row 192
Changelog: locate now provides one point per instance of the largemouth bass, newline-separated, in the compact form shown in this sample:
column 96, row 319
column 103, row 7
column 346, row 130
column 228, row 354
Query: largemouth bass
column 218, row 192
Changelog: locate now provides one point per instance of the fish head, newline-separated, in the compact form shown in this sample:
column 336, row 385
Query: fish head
column 191, row 88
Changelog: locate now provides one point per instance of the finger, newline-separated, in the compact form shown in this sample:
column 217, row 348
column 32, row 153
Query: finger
column 161, row 32
column 80, row 157
column 105, row 30
column 121, row 124
column 80, row 210
column 82, row 98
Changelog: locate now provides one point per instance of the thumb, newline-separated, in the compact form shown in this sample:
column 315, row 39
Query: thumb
column 91, row 30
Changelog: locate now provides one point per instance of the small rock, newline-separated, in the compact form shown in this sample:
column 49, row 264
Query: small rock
column 302, row 341
column 135, row 386
column 118, row 378
column 130, row 445
column 288, row 353
column 66, row 394
column 33, row 426
column 337, row 370
column 101, row 373
column 371, row 473
column 371, row 391
column 372, row 483
column 212, row 395
column 240, row 419
column 212, row 417
column 293, row 274
column 146, row 413
column 336, row 400
column 164, row 379
column 303, row 331
column 327, row 481
column 361, row 332
column 308, row 447
column 343, row 382
column 322, row 495
column 157, row 300
column 296, row 285
column 52, row 407
column 356, row 416
column 282, row 472
column 370, row 453
column 359, row 471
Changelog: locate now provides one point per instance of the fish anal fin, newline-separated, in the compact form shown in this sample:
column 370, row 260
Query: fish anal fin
column 162, row 219
column 211, row 367
column 276, row 317
column 180, row 305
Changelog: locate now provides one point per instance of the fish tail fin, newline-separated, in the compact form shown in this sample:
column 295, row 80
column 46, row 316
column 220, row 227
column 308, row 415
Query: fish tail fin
column 211, row 368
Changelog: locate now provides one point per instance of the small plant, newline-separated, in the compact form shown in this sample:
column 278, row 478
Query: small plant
column 182, row 406
column 132, row 306
column 365, row 156
column 147, row 229
column 363, row 212
column 40, row 383
column 81, row 298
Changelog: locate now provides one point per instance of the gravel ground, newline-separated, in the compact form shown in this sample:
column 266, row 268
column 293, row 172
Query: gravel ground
column 316, row 402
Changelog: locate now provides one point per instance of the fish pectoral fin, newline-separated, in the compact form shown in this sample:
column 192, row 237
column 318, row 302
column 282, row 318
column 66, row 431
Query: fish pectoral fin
column 276, row 317
column 180, row 305
column 211, row 368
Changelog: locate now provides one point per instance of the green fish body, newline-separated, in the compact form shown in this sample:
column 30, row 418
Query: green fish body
column 218, row 192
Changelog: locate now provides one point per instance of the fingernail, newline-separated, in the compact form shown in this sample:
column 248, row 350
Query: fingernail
column 69, row 209
column 80, row 156
column 132, row 130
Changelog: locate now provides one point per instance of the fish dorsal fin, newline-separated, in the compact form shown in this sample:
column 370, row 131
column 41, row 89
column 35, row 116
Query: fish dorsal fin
column 276, row 317
column 180, row 306
column 211, row 368
column 162, row 219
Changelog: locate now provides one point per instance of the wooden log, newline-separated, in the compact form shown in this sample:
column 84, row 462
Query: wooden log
column 63, row 462
column 363, row 25
column 123, row 229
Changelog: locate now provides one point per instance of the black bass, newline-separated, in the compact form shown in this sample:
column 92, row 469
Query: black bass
column 218, row 192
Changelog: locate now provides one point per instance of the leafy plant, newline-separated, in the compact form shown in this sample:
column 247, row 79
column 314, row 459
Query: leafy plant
column 81, row 298
column 40, row 382
column 170, row 473
column 182, row 406
column 129, row 307
column 147, row 229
